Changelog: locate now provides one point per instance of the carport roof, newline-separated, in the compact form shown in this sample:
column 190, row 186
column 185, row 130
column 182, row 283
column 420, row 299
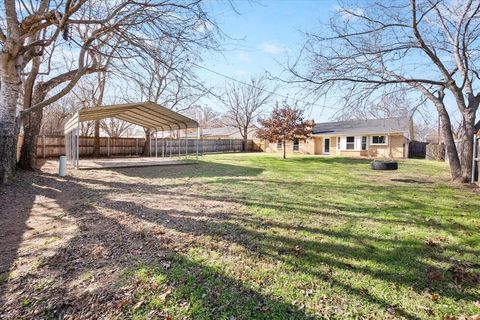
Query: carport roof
column 146, row 114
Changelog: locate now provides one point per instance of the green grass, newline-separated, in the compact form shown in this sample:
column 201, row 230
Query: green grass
column 320, row 238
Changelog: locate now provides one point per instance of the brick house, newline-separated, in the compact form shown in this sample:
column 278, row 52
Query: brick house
column 378, row 138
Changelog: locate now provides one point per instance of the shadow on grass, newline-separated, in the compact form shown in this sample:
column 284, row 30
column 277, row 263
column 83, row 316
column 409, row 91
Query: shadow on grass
column 16, row 202
column 205, row 291
column 202, row 169
column 196, row 290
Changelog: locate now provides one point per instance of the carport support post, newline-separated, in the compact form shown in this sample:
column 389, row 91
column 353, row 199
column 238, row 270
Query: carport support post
column 198, row 136
column 108, row 146
column 150, row 145
column 156, row 143
column 77, row 147
column 163, row 144
column 186, row 143
column 170, row 144
column 179, row 144
column 474, row 158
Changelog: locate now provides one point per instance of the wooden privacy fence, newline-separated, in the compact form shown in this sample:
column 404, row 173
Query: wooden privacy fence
column 54, row 146
column 417, row 149
column 435, row 151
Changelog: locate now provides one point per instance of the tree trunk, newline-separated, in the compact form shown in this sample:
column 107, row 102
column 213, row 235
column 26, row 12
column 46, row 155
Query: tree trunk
column 146, row 146
column 245, row 139
column 28, row 153
column 284, row 149
column 96, row 142
column 466, row 143
column 9, row 92
column 453, row 159
column 32, row 123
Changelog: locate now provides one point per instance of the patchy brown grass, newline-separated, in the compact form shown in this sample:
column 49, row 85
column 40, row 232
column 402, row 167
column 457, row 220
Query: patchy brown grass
column 240, row 237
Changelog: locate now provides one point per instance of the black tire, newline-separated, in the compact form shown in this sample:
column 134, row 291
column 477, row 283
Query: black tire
column 384, row 165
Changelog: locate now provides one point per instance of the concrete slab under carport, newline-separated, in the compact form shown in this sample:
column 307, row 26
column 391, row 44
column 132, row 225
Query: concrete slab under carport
column 131, row 162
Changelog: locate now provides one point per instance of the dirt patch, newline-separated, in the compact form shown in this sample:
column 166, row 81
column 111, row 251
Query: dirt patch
column 65, row 242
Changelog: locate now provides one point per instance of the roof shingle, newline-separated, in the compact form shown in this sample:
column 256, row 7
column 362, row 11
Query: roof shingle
column 369, row 126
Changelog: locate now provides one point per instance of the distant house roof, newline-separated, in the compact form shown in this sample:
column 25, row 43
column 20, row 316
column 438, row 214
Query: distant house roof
column 369, row 126
column 477, row 127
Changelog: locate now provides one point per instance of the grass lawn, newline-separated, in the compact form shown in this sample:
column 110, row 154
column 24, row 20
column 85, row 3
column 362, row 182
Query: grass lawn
column 252, row 236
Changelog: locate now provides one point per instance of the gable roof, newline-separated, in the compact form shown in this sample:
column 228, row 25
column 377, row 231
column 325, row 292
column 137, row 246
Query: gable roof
column 369, row 126
column 477, row 127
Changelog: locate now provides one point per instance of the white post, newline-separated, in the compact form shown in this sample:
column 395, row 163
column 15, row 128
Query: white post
column 150, row 145
column 474, row 158
column 198, row 136
column 186, row 143
column 170, row 144
column 163, row 143
column 62, row 166
column 179, row 144
column 78, row 147
column 156, row 144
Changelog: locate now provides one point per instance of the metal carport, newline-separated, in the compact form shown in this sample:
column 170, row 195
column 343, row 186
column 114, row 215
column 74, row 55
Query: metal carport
column 145, row 114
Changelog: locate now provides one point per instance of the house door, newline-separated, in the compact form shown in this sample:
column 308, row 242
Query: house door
column 326, row 145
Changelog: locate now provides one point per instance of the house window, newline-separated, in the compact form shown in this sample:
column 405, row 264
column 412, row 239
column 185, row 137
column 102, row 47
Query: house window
column 379, row 139
column 279, row 144
column 350, row 143
column 296, row 144
column 364, row 143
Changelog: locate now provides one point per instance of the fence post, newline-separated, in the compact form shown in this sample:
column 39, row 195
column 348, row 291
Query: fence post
column 43, row 146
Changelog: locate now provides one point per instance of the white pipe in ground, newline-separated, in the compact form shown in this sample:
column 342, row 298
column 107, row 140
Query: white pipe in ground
column 62, row 166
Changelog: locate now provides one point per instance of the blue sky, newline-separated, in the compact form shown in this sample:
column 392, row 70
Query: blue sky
column 264, row 35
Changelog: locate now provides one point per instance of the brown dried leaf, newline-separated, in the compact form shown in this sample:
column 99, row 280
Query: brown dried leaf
column 297, row 250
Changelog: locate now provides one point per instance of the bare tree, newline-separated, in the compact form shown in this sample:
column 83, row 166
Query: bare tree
column 115, row 127
column 27, row 29
column 56, row 115
column 37, row 94
column 244, row 102
column 168, row 78
column 205, row 116
column 428, row 47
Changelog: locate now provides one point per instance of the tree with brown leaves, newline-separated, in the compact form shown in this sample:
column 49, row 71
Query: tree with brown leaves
column 285, row 123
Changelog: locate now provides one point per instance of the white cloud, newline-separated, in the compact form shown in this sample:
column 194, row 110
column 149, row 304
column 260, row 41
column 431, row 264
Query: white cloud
column 273, row 48
column 243, row 56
